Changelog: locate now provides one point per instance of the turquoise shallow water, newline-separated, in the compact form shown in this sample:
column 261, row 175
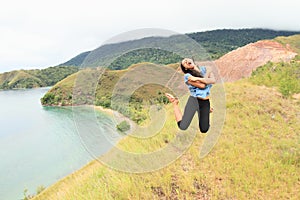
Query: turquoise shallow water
column 40, row 145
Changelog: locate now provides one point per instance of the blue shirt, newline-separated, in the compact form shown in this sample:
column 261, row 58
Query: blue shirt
column 195, row 91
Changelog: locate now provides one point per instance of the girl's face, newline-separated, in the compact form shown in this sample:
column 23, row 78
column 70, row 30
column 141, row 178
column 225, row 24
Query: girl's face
column 188, row 63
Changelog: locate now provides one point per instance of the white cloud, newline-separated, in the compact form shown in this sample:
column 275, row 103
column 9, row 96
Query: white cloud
column 45, row 33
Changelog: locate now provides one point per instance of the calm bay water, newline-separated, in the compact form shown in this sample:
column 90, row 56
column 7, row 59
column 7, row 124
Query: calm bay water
column 40, row 145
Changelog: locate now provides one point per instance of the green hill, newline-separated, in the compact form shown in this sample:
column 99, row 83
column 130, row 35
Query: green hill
column 34, row 78
column 63, row 92
column 19, row 79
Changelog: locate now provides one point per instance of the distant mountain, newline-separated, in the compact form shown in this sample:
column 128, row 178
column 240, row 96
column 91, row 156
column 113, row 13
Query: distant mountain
column 216, row 44
column 77, row 60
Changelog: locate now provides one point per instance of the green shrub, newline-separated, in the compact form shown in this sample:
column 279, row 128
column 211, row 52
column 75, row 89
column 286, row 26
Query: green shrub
column 123, row 126
column 288, row 86
column 48, row 99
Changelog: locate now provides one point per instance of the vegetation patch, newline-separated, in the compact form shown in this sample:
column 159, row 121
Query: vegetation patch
column 284, row 76
column 123, row 126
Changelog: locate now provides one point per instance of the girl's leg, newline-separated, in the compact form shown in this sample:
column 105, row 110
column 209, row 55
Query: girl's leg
column 177, row 111
column 203, row 115
column 191, row 107
column 189, row 111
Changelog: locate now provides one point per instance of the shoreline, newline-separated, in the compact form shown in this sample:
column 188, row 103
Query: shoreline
column 105, row 110
column 119, row 117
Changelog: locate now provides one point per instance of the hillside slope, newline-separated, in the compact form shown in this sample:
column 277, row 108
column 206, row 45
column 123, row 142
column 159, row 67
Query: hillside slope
column 97, row 88
column 243, row 61
column 256, row 157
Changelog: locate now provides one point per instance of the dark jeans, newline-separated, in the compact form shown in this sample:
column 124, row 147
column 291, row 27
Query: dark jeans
column 202, row 107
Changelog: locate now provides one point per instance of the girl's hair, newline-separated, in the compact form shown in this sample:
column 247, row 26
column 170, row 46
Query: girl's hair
column 191, row 71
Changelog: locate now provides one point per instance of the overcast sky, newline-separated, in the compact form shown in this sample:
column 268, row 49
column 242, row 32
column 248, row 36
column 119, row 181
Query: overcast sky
column 40, row 34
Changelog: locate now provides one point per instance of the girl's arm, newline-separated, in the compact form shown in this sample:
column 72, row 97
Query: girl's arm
column 210, row 79
column 197, row 84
